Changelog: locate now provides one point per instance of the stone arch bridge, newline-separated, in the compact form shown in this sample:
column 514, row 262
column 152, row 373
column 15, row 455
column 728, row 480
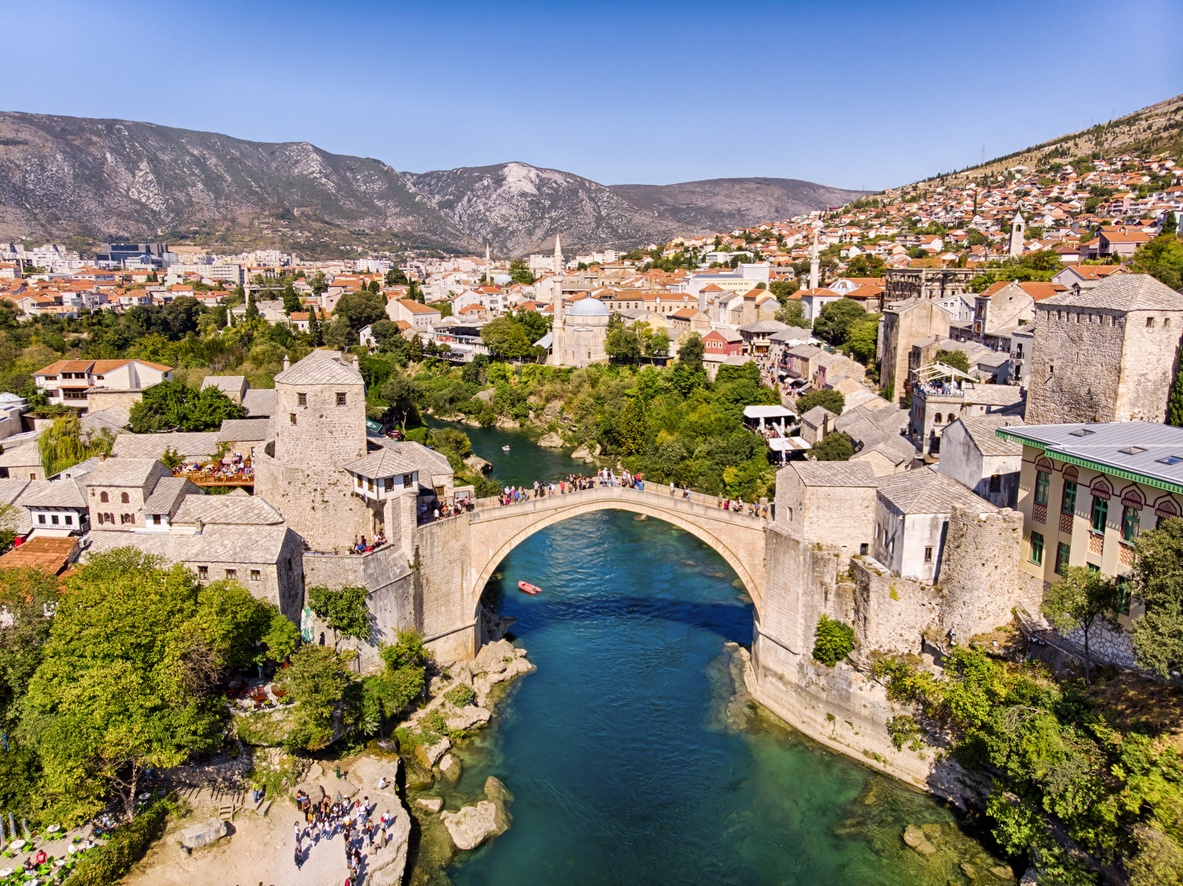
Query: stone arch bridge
column 457, row 556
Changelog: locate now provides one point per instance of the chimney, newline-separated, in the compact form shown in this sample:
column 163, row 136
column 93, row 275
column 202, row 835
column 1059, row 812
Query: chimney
column 286, row 362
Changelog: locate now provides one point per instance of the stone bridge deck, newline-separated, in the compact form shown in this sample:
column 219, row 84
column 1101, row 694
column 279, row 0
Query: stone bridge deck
column 497, row 529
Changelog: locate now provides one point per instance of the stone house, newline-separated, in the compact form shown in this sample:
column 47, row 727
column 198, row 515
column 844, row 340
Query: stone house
column 939, row 402
column 1105, row 354
column 118, row 489
column 901, row 326
column 55, row 508
column 974, row 456
column 73, row 382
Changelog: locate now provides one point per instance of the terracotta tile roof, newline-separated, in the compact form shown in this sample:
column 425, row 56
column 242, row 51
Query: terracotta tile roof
column 44, row 552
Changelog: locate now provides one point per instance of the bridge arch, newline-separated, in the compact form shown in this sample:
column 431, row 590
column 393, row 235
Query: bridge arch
column 497, row 530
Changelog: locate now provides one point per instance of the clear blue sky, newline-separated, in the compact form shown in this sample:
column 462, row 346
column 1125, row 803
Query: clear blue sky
column 851, row 94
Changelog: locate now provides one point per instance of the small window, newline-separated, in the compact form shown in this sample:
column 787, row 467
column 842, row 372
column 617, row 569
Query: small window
column 231, row 574
column 341, row 398
column 103, row 497
column 1063, row 553
column 1170, row 460
column 1121, row 595
column 125, row 498
column 928, row 554
column 1068, row 499
column 1100, row 513
column 69, row 519
column 1132, row 450
column 256, row 575
column 407, row 479
column 1130, row 518
column 291, row 418
column 203, row 572
column 996, row 483
column 54, row 520
column 1037, row 548
column 41, row 519
column 1149, row 322
column 863, row 549
column 1042, row 481
column 1081, row 432
column 301, row 399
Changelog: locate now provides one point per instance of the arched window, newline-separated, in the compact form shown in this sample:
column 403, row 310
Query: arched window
column 103, row 497
column 936, row 419
column 125, row 498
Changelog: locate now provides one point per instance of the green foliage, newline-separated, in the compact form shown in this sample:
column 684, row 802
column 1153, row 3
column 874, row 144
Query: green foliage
column 1162, row 258
column 782, row 289
column 64, row 444
column 461, row 695
column 833, row 641
column 1063, row 768
column 862, row 340
column 127, row 680
column 838, row 446
column 174, row 406
column 109, row 861
column 519, row 272
column 345, row 611
column 404, row 677
column 1175, row 401
column 836, row 320
column 1079, row 600
column 834, row 401
column 793, row 313
column 25, row 594
column 954, row 359
column 403, row 396
column 1158, row 634
column 507, row 338
column 360, row 309
column 317, row 681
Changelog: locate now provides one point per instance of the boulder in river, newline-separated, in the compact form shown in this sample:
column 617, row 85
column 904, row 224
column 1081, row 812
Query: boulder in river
column 450, row 767
column 478, row 464
column 550, row 441
column 473, row 825
column 914, row 839
column 431, row 804
column 431, row 754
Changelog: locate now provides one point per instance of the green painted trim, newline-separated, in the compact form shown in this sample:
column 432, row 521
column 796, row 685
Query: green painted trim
column 1016, row 438
column 1102, row 468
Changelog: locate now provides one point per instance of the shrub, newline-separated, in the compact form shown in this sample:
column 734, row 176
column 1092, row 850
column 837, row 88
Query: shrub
column 108, row 862
column 835, row 641
column 461, row 695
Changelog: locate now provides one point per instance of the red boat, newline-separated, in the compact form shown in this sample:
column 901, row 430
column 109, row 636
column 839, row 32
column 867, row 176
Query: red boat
column 526, row 588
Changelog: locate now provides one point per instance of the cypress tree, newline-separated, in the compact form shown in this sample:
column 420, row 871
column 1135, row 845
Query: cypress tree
column 1175, row 401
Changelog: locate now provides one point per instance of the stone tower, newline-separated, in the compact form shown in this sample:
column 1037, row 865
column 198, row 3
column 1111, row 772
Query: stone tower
column 1018, row 233
column 319, row 426
column 558, row 265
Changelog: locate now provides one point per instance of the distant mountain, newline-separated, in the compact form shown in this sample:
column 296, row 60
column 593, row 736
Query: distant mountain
column 77, row 179
column 724, row 204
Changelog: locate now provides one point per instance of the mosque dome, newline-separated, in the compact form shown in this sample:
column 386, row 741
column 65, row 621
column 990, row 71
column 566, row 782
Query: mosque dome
column 588, row 307
column 502, row 279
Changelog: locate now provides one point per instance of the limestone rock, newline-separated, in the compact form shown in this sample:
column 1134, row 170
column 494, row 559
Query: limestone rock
column 932, row 830
column 1002, row 872
column 550, row 441
column 468, row 717
column 585, row 454
column 914, row 839
column 431, row 754
column 450, row 767
column 969, row 870
column 496, row 791
column 478, row 464
column 496, row 663
column 1030, row 877
column 431, row 804
column 472, row 825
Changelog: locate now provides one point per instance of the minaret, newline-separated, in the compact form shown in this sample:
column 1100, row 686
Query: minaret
column 813, row 261
column 557, row 332
column 488, row 267
column 1018, row 229
column 558, row 256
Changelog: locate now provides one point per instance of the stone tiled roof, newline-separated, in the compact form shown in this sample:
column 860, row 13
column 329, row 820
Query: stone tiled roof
column 259, row 402
column 383, row 463
column 191, row 444
column 124, row 472
column 980, row 429
column 1121, row 292
column 249, row 430
column 80, row 470
column 816, row 416
column 113, row 418
column 925, row 491
column 52, row 494
column 427, row 461
column 834, row 473
column 227, row 384
column 168, row 493
column 215, row 544
column 321, row 368
column 226, row 510
column 20, row 456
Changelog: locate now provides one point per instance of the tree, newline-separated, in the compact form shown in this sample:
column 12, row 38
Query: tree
column 688, row 373
column 793, row 313
column 395, row 277
column 623, row 343
column 1079, row 600
column 1175, row 401
column 403, row 395
column 28, row 595
column 835, row 320
column 291, row 301
column 1158, row 576
column 404, row 675
column 319, row 284
column 837, row 446
column 317, row 682
column 782, row 289
column 832, row 400
column 506, row 339
column 866, row 265
column 127, row 682
column 315, row 332
column 360, row 309
column 64, row 444
column 344, row 611
column 863, row 340
column 252, row 310
column 174, row 406
column 519, row 272
column 833, row 641
column 1162, row 258
column 953, row 359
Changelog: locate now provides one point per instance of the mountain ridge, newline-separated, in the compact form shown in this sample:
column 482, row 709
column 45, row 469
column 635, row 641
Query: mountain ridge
column 64, row 178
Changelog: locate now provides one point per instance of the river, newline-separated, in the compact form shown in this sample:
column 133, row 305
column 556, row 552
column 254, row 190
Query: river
column 631, row 760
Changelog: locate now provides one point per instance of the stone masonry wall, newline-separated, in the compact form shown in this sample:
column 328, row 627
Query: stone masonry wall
column 1148, row 365
column 442, row 582
column 316, row 502
column 1075, row 366
column 890, row 613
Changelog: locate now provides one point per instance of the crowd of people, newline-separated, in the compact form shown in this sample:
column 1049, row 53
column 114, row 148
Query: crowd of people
column 363, row 833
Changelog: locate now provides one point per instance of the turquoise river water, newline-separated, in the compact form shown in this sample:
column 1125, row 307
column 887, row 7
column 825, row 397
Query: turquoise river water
column 630, row 755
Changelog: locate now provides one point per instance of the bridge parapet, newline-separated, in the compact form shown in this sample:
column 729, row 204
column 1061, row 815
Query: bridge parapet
column 698, row 504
